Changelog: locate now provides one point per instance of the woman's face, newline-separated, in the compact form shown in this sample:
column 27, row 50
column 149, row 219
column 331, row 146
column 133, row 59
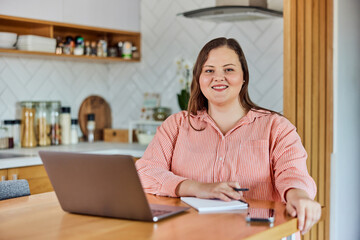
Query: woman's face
column 221, row 77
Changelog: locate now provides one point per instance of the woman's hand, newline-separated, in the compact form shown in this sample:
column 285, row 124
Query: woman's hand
column 223, row 190
column 307, row 211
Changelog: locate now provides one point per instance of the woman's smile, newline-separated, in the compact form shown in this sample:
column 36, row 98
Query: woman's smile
column 219, row 87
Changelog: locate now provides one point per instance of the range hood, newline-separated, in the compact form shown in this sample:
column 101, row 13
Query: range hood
column 241, row 11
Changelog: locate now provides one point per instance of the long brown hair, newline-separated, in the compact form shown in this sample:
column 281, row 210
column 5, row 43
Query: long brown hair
column 197, row 99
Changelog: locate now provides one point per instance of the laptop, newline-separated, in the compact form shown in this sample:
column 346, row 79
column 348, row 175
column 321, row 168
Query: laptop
column 101, row 185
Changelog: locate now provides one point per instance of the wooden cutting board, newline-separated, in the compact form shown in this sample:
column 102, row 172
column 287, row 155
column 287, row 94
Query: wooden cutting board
column 98, row 106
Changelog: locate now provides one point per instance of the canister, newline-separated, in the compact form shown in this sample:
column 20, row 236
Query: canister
column 54, row 112
column 42, row 124
column 28, row 137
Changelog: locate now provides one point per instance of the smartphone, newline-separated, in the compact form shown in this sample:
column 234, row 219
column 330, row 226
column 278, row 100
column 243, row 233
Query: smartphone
column 260, row 215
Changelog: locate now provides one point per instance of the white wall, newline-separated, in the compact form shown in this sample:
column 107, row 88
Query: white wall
column 345, row 165
column 165, row 37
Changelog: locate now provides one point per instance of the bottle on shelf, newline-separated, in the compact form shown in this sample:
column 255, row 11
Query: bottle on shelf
column 90, row 127
column 74, row 131
column 54, row 109
column 65, row 125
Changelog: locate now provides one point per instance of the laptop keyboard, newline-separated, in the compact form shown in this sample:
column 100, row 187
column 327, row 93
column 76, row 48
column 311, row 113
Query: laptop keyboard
column 159, row 212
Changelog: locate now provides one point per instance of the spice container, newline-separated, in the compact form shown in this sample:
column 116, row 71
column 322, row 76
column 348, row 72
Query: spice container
column 65, row 125
column 54, row 108
column 28, row 111
column 42, row 124
column 90, row 127
column 9, row 125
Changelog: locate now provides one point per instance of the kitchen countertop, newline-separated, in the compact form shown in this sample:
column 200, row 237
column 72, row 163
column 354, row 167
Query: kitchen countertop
column 32, row 158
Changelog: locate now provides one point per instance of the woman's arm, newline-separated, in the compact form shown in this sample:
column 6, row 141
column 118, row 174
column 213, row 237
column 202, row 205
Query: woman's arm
column 292, row 180
column 154, row 167
column 288, row 160
column 304, row 208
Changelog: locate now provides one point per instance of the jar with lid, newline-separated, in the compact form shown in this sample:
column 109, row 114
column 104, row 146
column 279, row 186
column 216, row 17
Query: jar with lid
column 4, row 142
column 54, row 109
column 9, row 125
column 42, row 124
column 65, row 125
column 28, row 137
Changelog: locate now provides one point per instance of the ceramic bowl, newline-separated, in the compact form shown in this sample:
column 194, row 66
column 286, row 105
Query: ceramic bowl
column 144, row 138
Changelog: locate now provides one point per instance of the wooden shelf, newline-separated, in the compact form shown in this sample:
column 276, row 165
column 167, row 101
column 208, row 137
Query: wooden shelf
column 26, row 26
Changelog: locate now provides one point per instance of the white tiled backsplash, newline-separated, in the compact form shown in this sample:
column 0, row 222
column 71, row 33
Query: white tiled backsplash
column 165, row 38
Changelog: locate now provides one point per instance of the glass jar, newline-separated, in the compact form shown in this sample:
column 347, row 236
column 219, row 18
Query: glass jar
column 9, row 125
column 4, row 142
column 65, row 125
column 54, row 109
column 16, row 132
column 28, row 137
column 42, row 124
column 161, row 113
column 145, row 132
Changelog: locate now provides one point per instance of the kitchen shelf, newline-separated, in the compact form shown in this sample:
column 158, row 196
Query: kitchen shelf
column 26, row 26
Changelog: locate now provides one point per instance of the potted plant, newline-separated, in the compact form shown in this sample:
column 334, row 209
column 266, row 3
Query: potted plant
column 183, row 71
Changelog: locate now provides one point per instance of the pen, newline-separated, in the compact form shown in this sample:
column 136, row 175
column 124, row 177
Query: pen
column 241, row 189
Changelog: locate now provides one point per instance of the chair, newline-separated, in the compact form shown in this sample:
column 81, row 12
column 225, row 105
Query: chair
column 14, row 188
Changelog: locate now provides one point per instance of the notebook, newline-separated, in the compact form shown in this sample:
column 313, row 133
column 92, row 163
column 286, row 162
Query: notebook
column 213, row 205
column 101, row 185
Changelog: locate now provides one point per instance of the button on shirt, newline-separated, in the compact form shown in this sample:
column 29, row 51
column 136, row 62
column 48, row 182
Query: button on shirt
column 263, row 152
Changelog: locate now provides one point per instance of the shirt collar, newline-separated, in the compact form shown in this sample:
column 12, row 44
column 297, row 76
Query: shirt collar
column 248, row 118
column 254, row 114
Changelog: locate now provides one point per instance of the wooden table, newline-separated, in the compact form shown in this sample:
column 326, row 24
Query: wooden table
column 41, row 217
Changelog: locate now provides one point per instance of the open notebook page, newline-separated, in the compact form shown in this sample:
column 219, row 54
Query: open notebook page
column 213, row 205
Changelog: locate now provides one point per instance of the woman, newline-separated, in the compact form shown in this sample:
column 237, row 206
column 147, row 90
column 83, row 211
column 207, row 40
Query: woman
column 225, row 141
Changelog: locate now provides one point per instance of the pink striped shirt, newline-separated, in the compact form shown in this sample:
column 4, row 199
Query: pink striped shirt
column 262, row 152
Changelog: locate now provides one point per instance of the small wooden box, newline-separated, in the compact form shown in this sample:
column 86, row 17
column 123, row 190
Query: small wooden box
column 116, row 135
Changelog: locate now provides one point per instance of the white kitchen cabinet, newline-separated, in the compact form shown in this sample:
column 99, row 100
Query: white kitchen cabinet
column 50, row 10
column 115, row 14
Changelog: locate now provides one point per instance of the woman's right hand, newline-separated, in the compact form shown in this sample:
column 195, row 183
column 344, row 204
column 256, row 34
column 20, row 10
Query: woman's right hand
column 223, row 190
